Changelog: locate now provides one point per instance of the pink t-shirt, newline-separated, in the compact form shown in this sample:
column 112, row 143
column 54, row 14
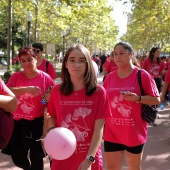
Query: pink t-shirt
column 141, row 64
column 168, row 65
column 106, row 64
column 111, row 66
column 4, row 90
column 29, row 106
column 165, row 64
column 78, row 112
column 153, row 69
column 51, row 71
column 167, row 78
column 125, row 125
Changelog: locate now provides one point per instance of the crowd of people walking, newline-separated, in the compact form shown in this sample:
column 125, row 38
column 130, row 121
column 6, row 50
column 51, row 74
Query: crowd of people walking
column 93, row 112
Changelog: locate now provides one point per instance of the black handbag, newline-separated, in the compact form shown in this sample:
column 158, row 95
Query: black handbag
column 149, row 112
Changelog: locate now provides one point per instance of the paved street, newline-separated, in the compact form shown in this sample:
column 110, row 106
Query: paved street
column 157, row 149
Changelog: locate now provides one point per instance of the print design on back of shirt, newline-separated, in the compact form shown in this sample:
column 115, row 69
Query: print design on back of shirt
column 74, row 123
column 123, row 109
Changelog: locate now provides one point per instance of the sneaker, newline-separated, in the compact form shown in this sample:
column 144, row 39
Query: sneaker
column 153, row 124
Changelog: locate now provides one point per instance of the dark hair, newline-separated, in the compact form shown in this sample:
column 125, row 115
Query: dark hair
column 151, row 56
column 90, row 79
column 126, row 45
column 38, row 45
column 26, row 51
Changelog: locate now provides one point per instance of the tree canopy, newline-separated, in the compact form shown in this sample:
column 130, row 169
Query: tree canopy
column 148, row 26
column 85, row 21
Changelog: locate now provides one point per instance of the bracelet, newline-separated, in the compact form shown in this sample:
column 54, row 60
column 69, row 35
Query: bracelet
column 50, row 128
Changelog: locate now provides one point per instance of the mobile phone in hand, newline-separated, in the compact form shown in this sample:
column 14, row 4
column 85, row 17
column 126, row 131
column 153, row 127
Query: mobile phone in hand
column 124, row 92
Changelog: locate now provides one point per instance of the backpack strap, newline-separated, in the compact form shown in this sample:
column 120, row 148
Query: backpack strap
column 47, row 63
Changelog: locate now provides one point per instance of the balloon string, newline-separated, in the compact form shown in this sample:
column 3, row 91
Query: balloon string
column 41, row 139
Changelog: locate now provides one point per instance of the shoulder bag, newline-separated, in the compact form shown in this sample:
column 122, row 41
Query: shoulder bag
column 149, row 112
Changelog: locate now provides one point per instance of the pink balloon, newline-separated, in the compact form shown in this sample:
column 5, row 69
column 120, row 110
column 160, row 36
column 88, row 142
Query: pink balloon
column 60, row 143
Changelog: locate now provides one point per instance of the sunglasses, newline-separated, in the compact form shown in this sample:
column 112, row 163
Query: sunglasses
column 36, row 51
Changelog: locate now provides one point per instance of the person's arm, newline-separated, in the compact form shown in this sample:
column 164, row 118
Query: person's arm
column 45, row 125
column 95, row 142
column 144, row 99
column 22, row 90
column 149, row 100
column 164, row 89
column 8, row 103
column 51, row 123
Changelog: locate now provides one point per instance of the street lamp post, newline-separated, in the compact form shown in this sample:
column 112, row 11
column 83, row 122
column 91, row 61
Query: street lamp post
column 63, row 34
column 29, row 18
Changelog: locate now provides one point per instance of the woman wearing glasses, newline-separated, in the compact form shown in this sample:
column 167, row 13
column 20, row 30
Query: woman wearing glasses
column 28, row 85
column 79, row 104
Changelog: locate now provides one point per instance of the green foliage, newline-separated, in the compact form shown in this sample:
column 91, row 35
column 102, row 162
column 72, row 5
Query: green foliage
column 149, row 24
column 89, row 21
column 15, row 67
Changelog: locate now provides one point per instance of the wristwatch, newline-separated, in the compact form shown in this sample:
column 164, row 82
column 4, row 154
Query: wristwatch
column 91, row 159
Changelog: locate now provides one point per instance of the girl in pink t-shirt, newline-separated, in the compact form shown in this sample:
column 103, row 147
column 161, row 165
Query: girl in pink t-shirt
column 154, row 66
column 28, row 85
column 79, row 104
column 168, row 63
column 125, row 132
